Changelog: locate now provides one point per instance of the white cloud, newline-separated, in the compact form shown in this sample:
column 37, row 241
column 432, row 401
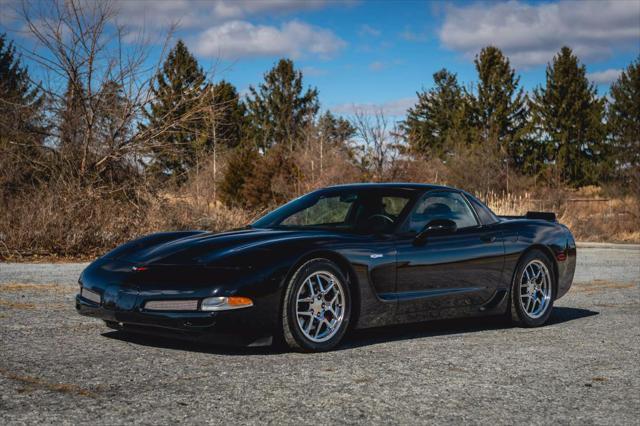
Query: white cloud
column 383, row 65
column 224, row 28
column 9, row 13
column 200, row 14
column 236, row 39
column 394, row 108
column 314, row 71
column 377, row 66
column 409, row 35
column 241, row 8
column 604, row 77
column 532, row 34
column 368, row 30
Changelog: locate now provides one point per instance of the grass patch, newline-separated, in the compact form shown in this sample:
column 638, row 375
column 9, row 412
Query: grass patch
column 30, row 287
column 597, row 286
column 17, row 305
column 39, row 383
column 22, row 306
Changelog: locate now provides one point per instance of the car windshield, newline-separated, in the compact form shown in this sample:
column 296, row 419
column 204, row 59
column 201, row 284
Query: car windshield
column 368, row 210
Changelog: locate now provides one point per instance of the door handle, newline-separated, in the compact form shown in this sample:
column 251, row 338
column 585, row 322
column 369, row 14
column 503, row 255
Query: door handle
column 489, row 238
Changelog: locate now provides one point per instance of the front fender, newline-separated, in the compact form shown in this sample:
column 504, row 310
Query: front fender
column 368, row 275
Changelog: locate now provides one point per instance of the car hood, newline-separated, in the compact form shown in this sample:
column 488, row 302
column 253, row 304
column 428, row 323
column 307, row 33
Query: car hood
column 199, row 247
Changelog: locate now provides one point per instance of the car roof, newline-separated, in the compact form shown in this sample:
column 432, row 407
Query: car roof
column 398, row 185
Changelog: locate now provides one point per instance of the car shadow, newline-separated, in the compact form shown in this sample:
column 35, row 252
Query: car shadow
column 393, row 333
column 188, row 345
column 357, row 338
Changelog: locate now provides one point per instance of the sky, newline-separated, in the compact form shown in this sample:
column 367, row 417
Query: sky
column 377, row 54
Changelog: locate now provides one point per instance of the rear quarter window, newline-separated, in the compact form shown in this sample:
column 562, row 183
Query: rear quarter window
column 485, row 215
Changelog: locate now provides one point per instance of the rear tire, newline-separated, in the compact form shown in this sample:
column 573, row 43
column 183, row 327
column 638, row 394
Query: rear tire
column 533, row 290
column 317, row 307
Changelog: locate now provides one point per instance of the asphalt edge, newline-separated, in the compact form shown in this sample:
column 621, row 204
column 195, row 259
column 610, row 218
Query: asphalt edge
column 616, row 246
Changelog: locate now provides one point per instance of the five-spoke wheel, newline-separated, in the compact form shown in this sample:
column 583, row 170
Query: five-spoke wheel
column 320, row 306
column 317, row 304
column 533, row 290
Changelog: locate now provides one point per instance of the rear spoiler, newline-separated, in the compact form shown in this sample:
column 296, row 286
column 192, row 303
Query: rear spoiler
column 548, row 216
column 551, row 217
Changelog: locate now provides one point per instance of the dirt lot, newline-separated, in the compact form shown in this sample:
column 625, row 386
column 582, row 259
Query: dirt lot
column 584, row 367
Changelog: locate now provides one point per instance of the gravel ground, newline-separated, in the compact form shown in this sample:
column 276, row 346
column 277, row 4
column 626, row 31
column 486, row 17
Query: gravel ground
column 584, row 367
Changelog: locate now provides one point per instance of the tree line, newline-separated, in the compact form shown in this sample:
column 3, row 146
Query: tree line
column 100, row 121
column 562, row 132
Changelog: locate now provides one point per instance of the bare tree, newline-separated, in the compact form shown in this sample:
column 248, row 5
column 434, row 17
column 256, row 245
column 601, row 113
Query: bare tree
column 96, row 87
column 380, row 142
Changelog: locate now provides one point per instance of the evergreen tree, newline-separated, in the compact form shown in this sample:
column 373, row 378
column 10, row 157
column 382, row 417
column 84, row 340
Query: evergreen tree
column 21, row 131
column 567, row 115
column 624, row 118
column 255, row 181
column 500, row 107
column 112, row 124
column 20, row 102
column 438, row 118
column 240, row 168
column 279, row 109
column 272, row 179
column 335, row 131
column 229, row 117
column 176, row 122
column 71, row 126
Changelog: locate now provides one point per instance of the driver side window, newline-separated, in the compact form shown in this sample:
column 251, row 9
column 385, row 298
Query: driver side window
column 441, row 205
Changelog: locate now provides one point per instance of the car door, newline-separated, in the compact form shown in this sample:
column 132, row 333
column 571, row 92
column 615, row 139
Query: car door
column 447, row 275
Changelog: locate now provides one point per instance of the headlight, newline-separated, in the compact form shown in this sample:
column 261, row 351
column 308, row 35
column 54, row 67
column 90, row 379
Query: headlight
column 225, row 303
column 90, row 295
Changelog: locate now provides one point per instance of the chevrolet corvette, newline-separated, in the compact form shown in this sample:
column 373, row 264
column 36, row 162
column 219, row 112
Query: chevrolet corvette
column 339, row 258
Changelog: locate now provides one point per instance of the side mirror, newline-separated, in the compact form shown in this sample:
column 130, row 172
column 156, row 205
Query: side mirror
column 435, row 227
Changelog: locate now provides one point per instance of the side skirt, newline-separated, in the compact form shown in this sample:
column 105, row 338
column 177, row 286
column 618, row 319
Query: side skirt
column 414, row 295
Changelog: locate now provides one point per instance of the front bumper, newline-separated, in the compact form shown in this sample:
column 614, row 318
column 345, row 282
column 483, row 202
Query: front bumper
column 236, row 327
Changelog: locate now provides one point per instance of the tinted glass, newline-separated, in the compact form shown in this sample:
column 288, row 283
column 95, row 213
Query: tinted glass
column 441, row 205
column 393, row 205
column 362, row 211
column 484, row 213
column 326, row 211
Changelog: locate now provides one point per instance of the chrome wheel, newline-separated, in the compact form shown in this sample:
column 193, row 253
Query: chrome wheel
column 320, row 306
column 535, row 289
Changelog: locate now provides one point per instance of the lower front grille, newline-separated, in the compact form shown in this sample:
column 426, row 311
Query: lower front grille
column 90, row 295
column 172, row 305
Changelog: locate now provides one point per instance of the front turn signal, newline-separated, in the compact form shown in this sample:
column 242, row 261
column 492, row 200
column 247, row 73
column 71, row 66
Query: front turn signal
column 225, row 303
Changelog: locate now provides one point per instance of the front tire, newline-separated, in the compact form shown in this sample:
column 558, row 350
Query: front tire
column 533, row 290
column 317, row 307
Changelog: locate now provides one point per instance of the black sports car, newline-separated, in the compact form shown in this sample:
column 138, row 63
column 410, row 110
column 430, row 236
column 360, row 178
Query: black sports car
column 352, row 256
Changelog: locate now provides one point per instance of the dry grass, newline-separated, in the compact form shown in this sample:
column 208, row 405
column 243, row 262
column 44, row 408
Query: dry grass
column 83, row 223
column 36, row 288
column 36, row 382
column 72, row 222
column 186, row 210
column 10, row 304
column 590, row 215
column 20, row 306
column 598, row 286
